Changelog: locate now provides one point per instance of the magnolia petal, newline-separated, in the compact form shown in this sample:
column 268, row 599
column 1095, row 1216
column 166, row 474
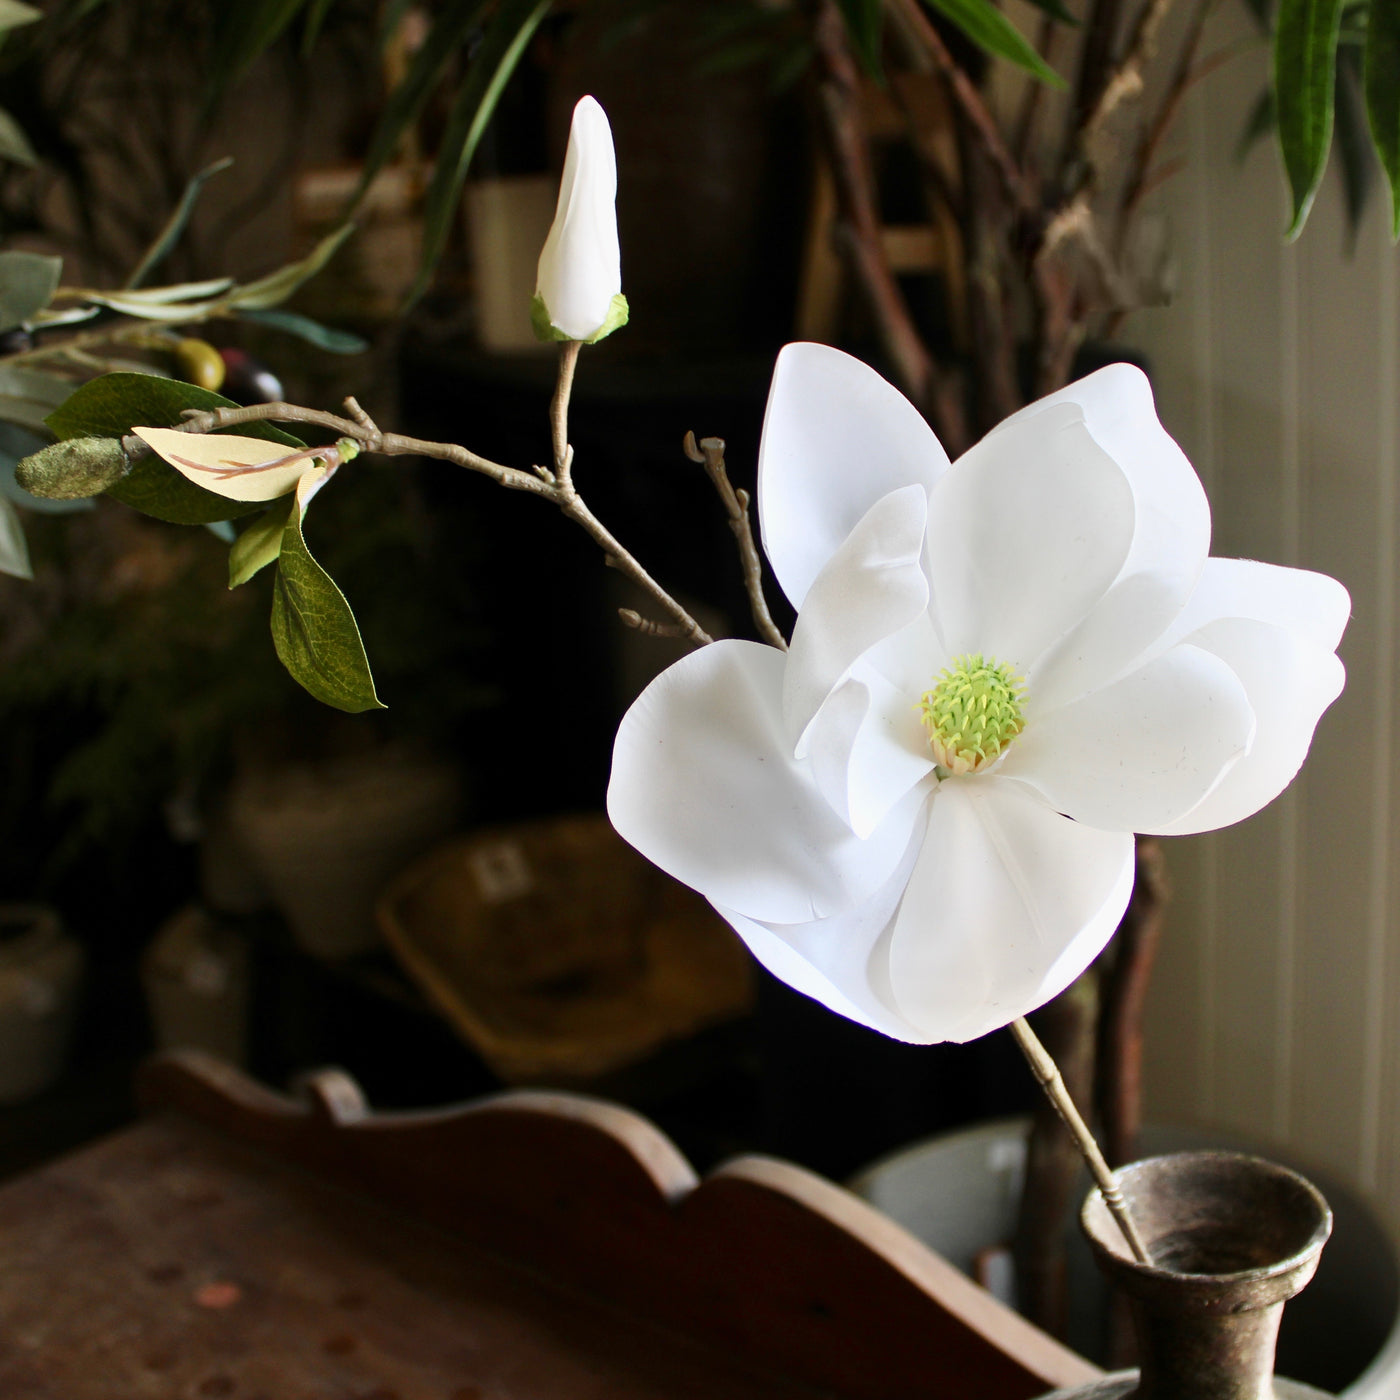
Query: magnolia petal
column 1027, row 531
column 238, row 468
column 870, row 588
column 1007, row 904
column 1171, row 533
column 1314, row 606
column 704, row 785
column 580, row 267
column 867, row 750
column 1290, row 681
column 836, row 439
column 830, row 960
column 1142, row 752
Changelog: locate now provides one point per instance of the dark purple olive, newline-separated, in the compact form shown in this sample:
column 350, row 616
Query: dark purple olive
column 16, row 341
column 248, row 380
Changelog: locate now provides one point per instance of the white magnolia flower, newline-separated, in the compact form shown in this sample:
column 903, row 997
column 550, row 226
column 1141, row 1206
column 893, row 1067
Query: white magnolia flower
column 922, row 814
column 578, row 289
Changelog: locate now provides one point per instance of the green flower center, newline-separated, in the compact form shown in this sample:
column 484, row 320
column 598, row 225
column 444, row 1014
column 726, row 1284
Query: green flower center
column 974, row 710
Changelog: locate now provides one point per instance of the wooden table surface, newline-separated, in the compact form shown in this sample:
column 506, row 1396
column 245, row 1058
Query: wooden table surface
column 533, row 1246
column 167, row 1261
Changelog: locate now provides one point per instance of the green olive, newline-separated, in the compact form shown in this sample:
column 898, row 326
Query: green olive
column 200, row 363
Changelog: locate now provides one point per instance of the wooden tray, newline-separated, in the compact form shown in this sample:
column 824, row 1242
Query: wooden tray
column 558, row 952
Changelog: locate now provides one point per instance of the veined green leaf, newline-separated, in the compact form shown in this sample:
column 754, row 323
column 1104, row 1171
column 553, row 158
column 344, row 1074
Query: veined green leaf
column 1305, row 67
column 313, row 629
column 166, row 239
column 14, row 144
column 28, row 282
column 13, row 14
column 261, row 542
column 992, row 32
column 14, row 549
column 1381, row 80
column 450, row 28
column 324, row 337
column 111, row 405
column 510, row 31
column 865, row 23
column 278, row 286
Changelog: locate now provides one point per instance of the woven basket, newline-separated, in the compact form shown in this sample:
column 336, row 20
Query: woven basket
column 558, row 952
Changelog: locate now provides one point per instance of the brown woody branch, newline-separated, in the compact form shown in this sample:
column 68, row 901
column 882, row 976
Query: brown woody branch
column 710, row 454
column 547, row 484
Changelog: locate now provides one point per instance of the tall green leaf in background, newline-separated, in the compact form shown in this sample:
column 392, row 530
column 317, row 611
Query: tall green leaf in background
column 449, row 31
column 992, row 32
column 1305, row 68
column 1382, row 85
column 510, row 30
column 865, row 21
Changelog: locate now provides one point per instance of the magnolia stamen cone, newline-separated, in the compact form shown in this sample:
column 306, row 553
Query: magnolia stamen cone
column 578, row 290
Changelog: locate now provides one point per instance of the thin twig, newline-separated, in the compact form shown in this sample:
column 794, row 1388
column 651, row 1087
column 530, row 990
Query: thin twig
column 1186, row 73
column 633, row 619
column 559, row 410
column 1126, row 80
column 363, row 430
column 1033, row 102
column 1047, row 1073
column 710, row 454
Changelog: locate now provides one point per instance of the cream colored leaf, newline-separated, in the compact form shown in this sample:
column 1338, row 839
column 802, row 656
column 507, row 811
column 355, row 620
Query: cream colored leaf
column 240, row 468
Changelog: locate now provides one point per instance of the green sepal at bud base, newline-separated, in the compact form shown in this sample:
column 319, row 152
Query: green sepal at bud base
column 73, row 470
column 546, row 330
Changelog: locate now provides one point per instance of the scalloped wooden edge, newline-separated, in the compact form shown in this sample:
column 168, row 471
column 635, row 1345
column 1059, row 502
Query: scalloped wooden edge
column 762, row 1258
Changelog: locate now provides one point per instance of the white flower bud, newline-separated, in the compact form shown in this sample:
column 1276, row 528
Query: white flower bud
column 578, row 290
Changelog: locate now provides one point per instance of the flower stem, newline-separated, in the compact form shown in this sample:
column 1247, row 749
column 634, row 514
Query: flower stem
column 559, row 409
column 1047, row 1072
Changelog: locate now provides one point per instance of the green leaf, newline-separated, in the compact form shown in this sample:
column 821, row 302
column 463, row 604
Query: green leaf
column 316, row 14
column 27, row 396
column 446, row 37
column 1305, row 67
column 1257, row 125
column 1057, row 12
column 261, row 543
column 14, row 549
column 992, row 32
column 247, row 30
column 278, row 286
column 72, row 470
column 27, row 284
column 166, row 239
column 1381, row 80
column 315, row 632
column 510, row 31
column 13, row 14
column 110, row 406
column 323, row 337
column 865, row 24
column 14, row 144
column 1358, row 167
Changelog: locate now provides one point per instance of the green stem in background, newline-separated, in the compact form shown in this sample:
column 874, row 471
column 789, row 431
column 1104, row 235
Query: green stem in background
column 1047, row 1073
